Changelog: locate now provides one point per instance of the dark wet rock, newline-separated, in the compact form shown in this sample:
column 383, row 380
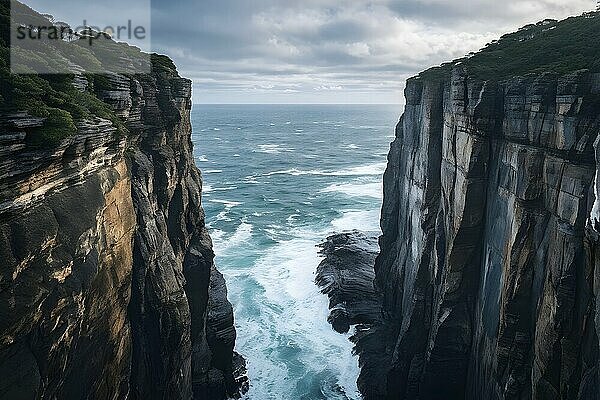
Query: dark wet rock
column 347, row 277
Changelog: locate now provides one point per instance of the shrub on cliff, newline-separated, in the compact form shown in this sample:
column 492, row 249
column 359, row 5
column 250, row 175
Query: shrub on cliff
column 57, row 126
column 561, row 47
column 54, row 97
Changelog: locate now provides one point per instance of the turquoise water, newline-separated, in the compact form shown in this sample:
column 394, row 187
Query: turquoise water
column 277, row 181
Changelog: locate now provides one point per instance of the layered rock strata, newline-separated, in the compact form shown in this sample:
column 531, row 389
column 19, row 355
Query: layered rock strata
column 487, row 269
column 487, row 263
column 108, row 287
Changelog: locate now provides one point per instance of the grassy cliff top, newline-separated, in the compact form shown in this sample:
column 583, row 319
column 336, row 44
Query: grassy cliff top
column 54, row 97
column 548, row 46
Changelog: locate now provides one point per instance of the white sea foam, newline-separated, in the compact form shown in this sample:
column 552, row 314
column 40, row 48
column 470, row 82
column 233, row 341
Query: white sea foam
column 272, row 149
column 212, row 171
column 372, row 189
column 222, row 216
column 293, row 171
column 227, row 203
column 216, row 235
column 292, row 321
column 357, row 219
column 292, row 218
column 366, row 127
column 242, row 234
column 363, row 170
column 206, row 188
column 251, row 180
column 268, row 148
column 224, row 188
column 369, row 169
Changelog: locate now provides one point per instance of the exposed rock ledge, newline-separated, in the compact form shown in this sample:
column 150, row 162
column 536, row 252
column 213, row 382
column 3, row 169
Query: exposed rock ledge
column 346, row 276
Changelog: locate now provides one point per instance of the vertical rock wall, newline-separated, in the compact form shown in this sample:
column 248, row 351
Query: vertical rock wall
column 487, row 268
column 105, row 261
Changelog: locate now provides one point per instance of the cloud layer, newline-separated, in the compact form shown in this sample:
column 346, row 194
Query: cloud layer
column 328, row 50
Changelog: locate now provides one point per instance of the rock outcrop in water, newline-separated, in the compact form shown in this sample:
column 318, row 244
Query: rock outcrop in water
column 108, row 288
column 488, row 258
column 347, row 277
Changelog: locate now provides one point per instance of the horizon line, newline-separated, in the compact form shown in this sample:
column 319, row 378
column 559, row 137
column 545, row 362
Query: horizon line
column 298, row 104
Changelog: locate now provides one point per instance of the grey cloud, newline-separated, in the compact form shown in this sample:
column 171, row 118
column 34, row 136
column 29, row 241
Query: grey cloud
column 498, row 13
column 234, row 49
column 323, row 43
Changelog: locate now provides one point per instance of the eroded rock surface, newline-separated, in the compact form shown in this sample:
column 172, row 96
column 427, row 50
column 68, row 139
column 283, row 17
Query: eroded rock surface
column 108, row 288
column 347, row 277
column 488, row 255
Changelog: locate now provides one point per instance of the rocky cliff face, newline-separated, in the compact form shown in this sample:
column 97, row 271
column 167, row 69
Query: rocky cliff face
column 488, row 257
column 108, row 288
column 487, row 271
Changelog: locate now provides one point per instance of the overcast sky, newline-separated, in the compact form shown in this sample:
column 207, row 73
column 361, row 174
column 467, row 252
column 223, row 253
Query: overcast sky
column 324, row 51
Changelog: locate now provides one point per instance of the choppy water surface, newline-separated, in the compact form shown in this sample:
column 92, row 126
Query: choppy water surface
column 277, row 181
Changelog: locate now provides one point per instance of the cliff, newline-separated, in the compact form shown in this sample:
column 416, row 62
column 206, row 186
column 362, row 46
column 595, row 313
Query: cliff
column 487, row 263
column 486, row 267
column 108, row 287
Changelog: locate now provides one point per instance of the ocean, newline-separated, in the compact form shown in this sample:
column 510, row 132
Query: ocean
column 278, row 179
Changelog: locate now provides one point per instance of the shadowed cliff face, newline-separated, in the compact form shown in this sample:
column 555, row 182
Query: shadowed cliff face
column 107, row 283
column 487, row 263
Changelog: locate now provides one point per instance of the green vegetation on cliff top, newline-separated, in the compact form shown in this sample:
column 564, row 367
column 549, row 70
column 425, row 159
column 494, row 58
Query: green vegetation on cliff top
column 53, row 97
column 561, row 47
